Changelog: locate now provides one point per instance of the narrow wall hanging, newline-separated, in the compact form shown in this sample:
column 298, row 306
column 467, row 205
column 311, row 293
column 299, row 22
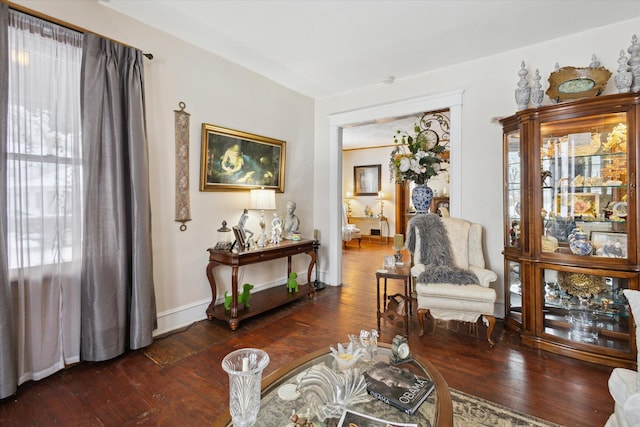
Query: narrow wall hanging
column 183, row 211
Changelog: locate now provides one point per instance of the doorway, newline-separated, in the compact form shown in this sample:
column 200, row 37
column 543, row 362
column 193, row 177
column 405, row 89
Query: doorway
column 449, row 100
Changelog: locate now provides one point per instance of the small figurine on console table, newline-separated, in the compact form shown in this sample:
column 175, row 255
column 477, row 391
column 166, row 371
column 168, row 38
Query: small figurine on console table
column 276, row 229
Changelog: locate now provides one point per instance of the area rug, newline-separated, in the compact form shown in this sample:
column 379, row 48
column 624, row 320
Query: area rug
column 470, row 411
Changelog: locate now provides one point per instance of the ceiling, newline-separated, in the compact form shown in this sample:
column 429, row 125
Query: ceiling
column 320, row 48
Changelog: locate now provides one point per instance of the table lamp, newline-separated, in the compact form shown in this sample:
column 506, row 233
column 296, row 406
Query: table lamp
column 347, row 197
column 381, row 198
column 262, row 200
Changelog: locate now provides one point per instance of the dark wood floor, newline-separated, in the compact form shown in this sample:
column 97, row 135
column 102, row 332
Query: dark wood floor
column 179, row 381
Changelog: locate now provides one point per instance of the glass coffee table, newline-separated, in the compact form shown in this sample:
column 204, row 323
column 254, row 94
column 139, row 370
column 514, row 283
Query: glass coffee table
column 274, row 411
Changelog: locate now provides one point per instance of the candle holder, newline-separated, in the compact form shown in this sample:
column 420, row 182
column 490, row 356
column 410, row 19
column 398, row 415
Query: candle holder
column 245, row 367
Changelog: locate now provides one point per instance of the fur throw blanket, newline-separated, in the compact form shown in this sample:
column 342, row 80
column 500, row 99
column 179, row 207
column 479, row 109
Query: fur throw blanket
column 435, row 252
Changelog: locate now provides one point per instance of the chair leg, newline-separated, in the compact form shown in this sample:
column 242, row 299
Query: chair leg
column 492, row 323
column 421, row 313
column 360, row 242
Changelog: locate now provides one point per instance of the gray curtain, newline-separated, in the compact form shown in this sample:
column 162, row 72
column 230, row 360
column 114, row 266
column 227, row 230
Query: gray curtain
column 118, row 300
column 8, row 371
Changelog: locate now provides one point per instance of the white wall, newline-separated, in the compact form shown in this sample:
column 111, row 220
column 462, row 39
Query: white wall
column 488, row 86
column 216, row 92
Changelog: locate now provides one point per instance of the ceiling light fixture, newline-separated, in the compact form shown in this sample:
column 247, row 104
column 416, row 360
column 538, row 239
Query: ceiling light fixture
column 388, row 80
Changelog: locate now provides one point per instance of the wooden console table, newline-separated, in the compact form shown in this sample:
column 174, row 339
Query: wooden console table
column 263, row 300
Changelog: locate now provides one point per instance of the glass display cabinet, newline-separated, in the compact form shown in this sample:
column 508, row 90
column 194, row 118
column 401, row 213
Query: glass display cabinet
column 570, row 245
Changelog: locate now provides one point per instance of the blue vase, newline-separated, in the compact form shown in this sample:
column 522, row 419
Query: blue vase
column 579, row 243
column 421, row 197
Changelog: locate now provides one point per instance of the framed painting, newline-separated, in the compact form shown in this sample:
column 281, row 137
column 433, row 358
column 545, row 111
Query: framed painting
column 611, row 245
column 577, row 204
column 235, row 160
column 367, row 180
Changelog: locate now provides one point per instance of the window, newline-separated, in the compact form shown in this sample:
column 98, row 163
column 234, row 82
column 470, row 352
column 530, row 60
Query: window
column 44, row 142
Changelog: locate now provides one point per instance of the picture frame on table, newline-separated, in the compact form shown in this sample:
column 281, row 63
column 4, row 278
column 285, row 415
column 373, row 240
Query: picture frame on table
column 240, row 238
column 235, row 160
column 367, row 180
column 609, row 244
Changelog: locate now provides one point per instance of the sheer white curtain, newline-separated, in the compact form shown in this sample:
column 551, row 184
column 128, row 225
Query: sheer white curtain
column 44, row 193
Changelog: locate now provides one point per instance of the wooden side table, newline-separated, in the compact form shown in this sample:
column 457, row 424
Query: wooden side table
column 389, row 312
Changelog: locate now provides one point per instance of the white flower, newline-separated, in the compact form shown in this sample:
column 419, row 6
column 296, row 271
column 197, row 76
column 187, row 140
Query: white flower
column 420, row 154
column 405, row 164
column 416, row 166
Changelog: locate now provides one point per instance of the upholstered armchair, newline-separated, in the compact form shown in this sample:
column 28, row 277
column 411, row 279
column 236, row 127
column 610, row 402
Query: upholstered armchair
column 451, row 281
column 624, row 384
column 349, row 231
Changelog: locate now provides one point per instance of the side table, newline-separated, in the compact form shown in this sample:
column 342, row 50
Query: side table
column 398, row 272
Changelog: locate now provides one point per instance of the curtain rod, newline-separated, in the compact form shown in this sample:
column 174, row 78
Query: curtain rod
column 40, row 15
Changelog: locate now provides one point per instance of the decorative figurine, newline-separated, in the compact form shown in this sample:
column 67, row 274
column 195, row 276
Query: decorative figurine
column 634, row 62
column 523, row 92
column 242, row 225
column 291, row 221
column 276, row 229
column 292, row 283
column 243, row 298
column 624, row 78
column 537, row 94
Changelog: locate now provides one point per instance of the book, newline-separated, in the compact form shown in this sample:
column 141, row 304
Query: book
column 397, row 386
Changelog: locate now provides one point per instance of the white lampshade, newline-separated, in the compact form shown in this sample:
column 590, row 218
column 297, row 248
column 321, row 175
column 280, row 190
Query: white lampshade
column 262, row 199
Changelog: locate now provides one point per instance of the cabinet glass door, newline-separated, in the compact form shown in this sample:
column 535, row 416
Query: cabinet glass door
column 513, row 187
column 584, row 186
column 586, row 308
column 514, row 292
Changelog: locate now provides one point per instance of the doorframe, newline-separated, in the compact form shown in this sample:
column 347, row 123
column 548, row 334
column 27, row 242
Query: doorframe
column 447, row 100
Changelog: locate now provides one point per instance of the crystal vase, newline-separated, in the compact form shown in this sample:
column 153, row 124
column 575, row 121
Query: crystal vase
column 245, row 367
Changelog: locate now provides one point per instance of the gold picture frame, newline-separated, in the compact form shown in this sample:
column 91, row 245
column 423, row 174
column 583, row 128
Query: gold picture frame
column 367, row 180
column 577, row 204
column 235, row 160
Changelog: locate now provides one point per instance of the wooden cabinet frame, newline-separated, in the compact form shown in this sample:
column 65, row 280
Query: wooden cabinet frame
column 538, row 302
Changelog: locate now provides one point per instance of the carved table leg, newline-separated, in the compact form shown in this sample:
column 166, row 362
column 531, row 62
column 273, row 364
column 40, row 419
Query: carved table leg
column 233, row 321
column 312, row 263
column 212, row 284
column 421, row 313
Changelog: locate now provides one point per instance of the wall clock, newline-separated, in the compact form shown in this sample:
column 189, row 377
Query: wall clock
column 429, row 138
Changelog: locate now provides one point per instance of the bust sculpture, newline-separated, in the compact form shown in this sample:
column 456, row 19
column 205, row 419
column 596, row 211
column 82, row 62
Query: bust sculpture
column 291, row 221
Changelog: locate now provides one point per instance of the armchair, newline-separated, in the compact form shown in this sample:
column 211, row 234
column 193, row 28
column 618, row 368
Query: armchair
column 349, row 231
column 624, row 384
column 452, row 282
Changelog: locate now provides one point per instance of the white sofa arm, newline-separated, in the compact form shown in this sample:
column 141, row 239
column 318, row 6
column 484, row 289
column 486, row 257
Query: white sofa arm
column 631, row 409
column 484, row 276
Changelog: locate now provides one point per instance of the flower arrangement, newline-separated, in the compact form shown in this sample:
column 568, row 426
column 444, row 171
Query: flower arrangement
column 416, row 157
